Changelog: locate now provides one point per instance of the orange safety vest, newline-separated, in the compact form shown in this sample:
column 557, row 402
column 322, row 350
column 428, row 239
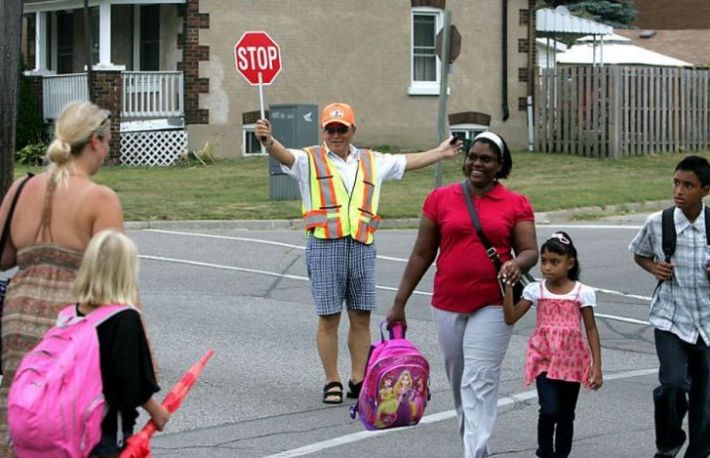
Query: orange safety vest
column 335, row 213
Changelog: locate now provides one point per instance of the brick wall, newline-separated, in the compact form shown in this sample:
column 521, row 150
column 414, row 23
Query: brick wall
column 107, row 91
column 192, row 54
column 673, row 14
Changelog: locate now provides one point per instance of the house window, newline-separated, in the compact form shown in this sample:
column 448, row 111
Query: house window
column 250, row 144
column 150, row 38
column 467, row 131
column 426, row 23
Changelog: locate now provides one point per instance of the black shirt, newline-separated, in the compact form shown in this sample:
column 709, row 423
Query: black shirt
column 126, row 368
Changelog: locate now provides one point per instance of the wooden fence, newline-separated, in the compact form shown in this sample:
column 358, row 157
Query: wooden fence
column 615, row 111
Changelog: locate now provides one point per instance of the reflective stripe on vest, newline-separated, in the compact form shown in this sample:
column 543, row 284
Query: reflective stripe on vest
column 328, row 197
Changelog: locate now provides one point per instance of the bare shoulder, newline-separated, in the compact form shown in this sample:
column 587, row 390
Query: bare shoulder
column 104, row 208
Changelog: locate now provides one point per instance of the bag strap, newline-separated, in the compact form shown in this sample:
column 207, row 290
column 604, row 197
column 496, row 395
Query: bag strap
column 95, row 318
column 668, row 234
column 8, row 221
column 490, row 251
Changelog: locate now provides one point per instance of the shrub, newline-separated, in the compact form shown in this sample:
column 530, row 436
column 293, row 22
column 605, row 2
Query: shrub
column 31, row 154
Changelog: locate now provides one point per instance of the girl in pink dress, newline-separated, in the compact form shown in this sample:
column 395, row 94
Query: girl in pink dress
column 558, row 357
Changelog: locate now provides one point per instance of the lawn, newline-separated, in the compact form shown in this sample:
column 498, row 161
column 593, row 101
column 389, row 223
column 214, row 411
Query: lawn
column 240, row 189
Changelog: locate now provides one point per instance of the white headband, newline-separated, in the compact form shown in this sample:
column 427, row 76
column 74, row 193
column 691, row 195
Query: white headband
column 494, row 138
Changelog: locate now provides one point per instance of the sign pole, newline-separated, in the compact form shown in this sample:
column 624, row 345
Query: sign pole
column 261, row 95
column 443, row 88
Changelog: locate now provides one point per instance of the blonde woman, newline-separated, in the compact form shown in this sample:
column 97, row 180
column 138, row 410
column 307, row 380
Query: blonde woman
column 108, row 276
column 56, row 215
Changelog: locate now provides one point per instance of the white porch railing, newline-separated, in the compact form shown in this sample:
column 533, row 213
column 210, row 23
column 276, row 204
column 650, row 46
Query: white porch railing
column 152, row 94
column 58, row 90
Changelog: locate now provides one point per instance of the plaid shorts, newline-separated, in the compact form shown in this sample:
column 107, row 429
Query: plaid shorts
column 341, row 270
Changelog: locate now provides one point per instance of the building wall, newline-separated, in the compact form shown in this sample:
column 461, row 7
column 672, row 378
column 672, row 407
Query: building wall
column 359, row 53
column 673, row 14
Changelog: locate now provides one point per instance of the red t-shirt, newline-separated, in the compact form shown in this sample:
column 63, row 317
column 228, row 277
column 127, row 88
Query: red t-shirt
column 465, row 277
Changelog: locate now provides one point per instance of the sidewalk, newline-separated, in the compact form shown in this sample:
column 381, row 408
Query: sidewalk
column 557, row 216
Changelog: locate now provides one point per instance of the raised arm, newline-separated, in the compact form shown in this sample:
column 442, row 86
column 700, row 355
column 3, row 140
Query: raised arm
column 445, row 150
column 273, row 147
column 423, row 255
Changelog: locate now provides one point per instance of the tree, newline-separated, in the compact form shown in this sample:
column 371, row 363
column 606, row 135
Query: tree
column 10, row 37
column 616, row 13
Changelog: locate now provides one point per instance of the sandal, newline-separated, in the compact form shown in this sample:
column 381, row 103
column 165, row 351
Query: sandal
column 331, row 396
column 354, row 389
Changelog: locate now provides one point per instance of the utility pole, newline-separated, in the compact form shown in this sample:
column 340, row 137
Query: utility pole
column 10, row 37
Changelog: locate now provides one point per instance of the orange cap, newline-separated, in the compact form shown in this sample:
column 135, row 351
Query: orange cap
column 341, row 113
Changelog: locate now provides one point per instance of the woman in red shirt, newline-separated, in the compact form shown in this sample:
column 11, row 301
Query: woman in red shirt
column 467, row 302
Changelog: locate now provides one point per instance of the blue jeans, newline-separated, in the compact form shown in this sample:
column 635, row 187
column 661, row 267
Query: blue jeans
column 558, row 400
column 684, row 375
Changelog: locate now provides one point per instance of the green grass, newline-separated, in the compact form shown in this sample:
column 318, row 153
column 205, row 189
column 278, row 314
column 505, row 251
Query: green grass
column 240, row 189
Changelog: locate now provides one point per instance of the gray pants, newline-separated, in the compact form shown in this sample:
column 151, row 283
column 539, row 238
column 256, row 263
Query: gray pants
column 474, row 346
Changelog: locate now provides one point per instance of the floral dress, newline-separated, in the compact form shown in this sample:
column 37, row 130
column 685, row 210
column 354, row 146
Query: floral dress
column 557, row 346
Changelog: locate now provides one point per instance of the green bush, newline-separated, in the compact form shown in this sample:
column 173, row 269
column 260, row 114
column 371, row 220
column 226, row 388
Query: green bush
column 31, row 154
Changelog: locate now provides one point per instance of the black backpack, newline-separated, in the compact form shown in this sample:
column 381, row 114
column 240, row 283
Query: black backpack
column 668, row 234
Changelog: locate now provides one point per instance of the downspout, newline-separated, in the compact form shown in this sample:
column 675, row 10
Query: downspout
column 504, row 60
column 531, row 75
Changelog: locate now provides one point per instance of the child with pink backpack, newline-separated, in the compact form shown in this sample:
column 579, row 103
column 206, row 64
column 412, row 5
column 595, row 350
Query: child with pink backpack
column 76, row 394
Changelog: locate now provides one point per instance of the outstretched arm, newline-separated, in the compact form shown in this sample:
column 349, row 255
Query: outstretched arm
column 593, row 338
column 273, row 147
column 423, row 255
column 446, row 149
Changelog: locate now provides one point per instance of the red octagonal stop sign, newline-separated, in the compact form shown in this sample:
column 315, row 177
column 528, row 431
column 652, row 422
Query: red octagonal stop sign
column 257, row 54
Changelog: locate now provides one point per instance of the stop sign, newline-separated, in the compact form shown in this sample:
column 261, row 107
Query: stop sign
column 257, row 54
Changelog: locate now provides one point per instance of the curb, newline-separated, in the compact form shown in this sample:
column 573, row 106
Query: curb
column 555, row 216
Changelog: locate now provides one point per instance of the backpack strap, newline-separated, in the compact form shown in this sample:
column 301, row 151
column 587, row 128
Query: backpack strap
column 668, row 234
column 69, row 315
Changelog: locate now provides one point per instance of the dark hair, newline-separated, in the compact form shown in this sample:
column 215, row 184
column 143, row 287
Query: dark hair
column 503, row 156
column 555, row 245
column 698, row 165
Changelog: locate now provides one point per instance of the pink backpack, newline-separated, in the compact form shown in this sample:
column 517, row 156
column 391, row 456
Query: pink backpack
column 395, row 389
column 56, row 401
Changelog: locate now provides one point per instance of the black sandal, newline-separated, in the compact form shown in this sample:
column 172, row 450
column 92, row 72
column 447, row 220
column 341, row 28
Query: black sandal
column 354, row 389
column 329, row 393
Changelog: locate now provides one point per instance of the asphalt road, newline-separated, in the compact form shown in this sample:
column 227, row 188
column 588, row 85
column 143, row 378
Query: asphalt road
column 245, row 294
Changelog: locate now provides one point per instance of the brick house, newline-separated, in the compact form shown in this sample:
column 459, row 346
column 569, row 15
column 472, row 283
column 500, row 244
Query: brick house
column 167, row 66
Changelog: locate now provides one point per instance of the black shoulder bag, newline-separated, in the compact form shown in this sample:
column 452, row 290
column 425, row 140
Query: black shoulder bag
column 525, row 278
column 3, row 241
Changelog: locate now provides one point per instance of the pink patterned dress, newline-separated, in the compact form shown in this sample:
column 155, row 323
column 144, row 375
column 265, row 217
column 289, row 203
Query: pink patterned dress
column 557, row 346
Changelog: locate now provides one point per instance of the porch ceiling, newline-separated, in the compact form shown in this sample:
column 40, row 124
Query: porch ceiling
column 33, row 6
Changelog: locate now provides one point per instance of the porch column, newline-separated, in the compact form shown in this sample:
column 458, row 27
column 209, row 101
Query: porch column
column 41, row 42
column 105, row 35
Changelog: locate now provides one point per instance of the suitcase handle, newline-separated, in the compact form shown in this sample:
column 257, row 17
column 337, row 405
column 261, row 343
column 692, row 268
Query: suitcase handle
column 396, row 330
